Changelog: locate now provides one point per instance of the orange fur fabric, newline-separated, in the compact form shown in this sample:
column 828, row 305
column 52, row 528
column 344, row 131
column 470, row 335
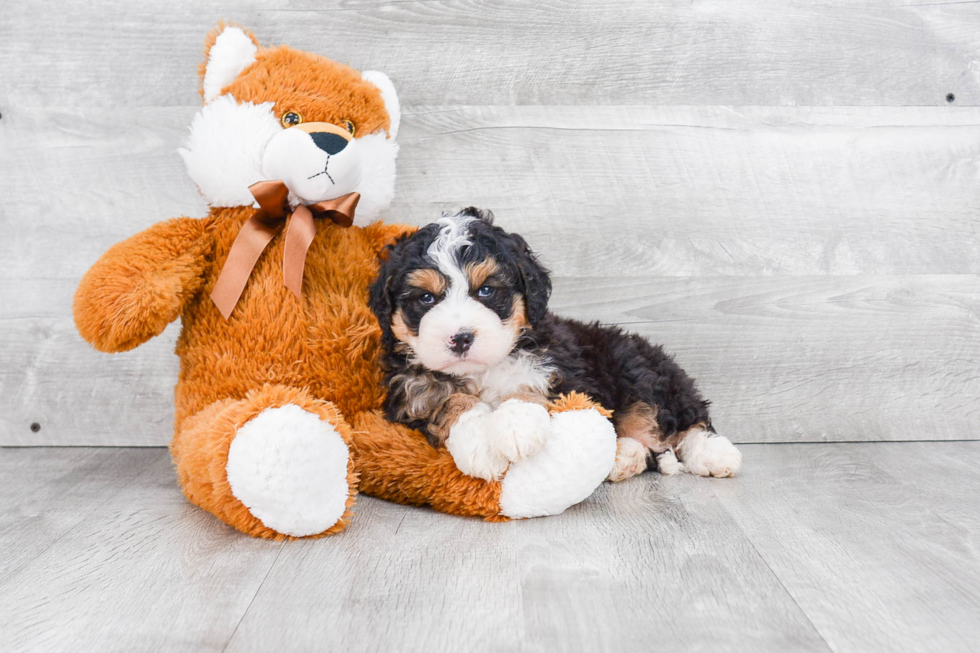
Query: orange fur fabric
column 276, row 422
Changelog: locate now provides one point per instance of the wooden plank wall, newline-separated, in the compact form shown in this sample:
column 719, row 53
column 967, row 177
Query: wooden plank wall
column 780, row 192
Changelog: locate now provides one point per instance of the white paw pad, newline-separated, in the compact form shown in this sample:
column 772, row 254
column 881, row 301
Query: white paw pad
column 519, row 429
column 289, row 468
column 469, row 445
column 631, row 459
column 668, row 464
column 706, row 454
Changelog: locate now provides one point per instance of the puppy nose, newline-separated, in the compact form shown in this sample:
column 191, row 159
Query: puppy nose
column 329, row 143
column 461, row 342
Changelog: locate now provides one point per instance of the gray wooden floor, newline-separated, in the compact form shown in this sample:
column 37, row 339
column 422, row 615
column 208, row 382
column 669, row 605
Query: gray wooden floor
column 817, row 547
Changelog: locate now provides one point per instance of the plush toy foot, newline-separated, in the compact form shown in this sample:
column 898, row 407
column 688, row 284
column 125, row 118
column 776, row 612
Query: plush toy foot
column 577, row 457
column 275, row 464
column 707, row 454
column 289, row 468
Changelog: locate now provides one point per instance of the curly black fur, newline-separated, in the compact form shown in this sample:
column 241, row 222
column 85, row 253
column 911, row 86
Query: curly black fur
column 617, row 369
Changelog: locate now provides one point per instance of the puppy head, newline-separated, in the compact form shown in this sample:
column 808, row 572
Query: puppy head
column 455, row 295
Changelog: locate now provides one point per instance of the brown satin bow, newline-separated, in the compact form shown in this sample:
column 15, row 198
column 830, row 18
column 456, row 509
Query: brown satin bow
column 263, row 226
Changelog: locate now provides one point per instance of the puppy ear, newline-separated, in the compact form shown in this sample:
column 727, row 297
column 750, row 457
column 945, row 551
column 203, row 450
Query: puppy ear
column 484, row 215
column 536, row 280
column 381, row 298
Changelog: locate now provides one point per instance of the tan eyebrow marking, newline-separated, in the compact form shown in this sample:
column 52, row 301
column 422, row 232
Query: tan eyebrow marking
column 478, row 273
column 429, row 280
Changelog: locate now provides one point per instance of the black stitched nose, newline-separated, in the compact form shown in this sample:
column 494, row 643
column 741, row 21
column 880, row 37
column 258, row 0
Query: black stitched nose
column 461, row 342
column 329, row 143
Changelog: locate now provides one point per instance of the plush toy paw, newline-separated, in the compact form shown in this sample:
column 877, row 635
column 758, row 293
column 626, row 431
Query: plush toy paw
column 707, row 454
column 289, row 468
column 519, row 429
column 576, row 458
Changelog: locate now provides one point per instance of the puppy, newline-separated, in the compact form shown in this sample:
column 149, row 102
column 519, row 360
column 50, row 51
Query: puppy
column 467, row 339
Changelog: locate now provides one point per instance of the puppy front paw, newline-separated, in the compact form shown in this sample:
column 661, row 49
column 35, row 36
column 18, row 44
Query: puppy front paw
column 469, row 444
column 519, row 429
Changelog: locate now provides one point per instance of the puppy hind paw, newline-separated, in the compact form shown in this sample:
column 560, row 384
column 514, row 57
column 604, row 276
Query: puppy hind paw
column 631, row 459
column 519, row 429
column 668, row 464
column 706, row 454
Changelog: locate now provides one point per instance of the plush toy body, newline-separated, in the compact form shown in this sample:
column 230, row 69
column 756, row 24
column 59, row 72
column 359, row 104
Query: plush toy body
column 276, row 421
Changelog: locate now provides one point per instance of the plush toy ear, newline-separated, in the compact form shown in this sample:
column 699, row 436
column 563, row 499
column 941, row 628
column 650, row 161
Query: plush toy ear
column 389, row 96
column 228, row 51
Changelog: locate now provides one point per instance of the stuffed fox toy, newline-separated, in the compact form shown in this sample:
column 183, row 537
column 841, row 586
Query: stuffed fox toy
column 277, row 421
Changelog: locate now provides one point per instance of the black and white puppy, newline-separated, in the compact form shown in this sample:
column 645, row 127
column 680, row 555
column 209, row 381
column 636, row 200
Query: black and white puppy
column 463, row 308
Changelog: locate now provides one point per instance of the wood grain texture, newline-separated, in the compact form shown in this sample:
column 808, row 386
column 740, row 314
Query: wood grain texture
column 815, row 268
column 139, row 569
column 860, row 537
column 675, row 52
column 794, row 359
column 625, row 190
column 704, row 191
column 814, row 547
column 47, row 494
column 636, row 563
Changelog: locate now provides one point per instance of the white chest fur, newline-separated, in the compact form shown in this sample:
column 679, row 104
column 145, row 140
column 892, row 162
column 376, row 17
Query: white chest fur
column 518, row 373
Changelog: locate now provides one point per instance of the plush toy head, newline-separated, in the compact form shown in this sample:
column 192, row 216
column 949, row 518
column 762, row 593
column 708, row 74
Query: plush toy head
column 322, row 128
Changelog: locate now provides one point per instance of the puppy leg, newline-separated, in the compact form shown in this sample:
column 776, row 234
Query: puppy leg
column 519, row 429
column 668, row 464
column 631, row 459
column 483, row 441
column 640, row 438
column 469, row 445
column 708, row 454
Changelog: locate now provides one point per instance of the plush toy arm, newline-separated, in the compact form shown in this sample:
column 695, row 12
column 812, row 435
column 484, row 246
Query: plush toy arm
column 397, row 464
column 140, row 285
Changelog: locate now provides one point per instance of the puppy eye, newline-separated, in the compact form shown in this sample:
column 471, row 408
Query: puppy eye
column 427, row 298
column 290, row 118
column 348, row 125
column 485, row 291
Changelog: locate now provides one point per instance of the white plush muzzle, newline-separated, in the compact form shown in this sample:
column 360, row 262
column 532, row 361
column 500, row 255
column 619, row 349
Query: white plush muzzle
column 310, row 173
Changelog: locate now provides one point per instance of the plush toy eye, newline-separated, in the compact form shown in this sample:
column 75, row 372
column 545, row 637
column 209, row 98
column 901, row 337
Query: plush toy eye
column 427, row 298
column 485, row 291
column 290, row 118
column 348, row 125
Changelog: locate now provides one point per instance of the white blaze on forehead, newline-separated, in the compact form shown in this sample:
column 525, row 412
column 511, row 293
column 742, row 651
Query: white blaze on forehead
column 454, row 235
